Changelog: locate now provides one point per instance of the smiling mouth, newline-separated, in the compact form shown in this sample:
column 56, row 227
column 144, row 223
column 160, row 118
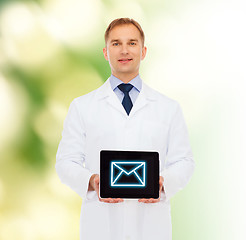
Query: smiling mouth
column 125, row 60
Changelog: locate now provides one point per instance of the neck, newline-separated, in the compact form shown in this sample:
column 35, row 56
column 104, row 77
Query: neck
column 125, row 78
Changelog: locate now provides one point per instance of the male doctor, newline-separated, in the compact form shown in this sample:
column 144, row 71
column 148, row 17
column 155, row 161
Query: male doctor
column 124, row 114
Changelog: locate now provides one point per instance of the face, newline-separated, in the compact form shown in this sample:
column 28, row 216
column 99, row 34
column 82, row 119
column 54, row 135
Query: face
column 124, row 51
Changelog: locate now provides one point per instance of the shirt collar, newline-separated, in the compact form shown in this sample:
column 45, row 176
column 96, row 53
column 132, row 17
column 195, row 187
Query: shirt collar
column 136, row 82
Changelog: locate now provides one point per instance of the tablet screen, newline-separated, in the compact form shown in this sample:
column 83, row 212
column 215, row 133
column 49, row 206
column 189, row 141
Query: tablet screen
column 129, row 174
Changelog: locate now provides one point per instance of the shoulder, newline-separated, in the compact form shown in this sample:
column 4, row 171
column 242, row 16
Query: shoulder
column 166, row 107
column 160, row 97
column 89, row 98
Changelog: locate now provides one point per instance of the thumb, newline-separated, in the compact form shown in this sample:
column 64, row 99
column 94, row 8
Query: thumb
column 161, row 181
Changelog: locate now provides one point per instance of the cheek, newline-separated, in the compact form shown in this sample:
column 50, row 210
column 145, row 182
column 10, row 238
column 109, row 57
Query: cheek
column 138, row 54
column 138, row 57
column 111, row 56
column 111, row 60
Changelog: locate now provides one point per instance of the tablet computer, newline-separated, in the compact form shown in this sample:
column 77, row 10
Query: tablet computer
column 129, row 174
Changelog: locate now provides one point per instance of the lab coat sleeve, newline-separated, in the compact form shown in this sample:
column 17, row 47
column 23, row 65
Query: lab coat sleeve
column 179, row 164
column 70, row 155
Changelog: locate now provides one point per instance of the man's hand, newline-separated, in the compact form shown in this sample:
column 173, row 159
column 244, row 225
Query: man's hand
column 152, row 200
column 94, row 186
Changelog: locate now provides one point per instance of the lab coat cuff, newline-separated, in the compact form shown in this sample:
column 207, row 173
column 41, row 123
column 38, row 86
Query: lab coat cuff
column 169, row 184
column 86, row 184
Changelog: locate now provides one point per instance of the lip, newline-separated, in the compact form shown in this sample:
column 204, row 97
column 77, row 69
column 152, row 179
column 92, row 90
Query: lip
column 125, row 60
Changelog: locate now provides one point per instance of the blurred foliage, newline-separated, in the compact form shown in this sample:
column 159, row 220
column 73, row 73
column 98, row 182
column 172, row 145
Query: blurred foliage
column 40, row 78
column 51, row 53
column 36, row 86
column 6, row 2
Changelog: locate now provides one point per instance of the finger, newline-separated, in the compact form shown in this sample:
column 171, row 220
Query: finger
column 144, row 200
column 96, row 181
column 112, row 200
column 151, row 200
column 161, row 180
column 106, row 200
column 119, row 200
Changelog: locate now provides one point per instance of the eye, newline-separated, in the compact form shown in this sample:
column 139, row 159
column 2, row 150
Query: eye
column 115, row 44
column 132, row 43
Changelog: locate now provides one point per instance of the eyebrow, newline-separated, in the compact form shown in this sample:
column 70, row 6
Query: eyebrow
column 117, row 40
column 114, row 40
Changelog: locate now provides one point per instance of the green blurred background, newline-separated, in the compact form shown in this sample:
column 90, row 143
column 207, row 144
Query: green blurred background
column 51, row 52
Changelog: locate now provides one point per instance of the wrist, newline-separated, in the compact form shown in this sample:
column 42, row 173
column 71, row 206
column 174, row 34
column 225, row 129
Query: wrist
column 91, row 183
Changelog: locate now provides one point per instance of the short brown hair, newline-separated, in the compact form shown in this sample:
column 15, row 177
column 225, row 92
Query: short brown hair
column 123, row 21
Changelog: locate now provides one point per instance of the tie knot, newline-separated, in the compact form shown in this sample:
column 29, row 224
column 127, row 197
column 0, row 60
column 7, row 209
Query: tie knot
column 125, row 87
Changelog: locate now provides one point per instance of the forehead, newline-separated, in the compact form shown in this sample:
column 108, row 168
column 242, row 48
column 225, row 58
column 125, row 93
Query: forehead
column 124, row 32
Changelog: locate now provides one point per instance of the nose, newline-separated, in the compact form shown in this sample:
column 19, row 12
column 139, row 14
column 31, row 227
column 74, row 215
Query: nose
column 124, row 49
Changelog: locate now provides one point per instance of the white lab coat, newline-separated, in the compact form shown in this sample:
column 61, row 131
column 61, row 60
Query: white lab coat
column 98, row 121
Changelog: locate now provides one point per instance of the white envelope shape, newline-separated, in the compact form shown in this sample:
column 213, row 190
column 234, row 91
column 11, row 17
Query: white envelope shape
column 131, row 169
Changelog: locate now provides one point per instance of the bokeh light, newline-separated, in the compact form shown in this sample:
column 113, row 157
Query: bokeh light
column 51, row 52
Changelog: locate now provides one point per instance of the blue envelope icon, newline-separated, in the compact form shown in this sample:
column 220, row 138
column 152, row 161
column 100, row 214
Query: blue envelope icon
column 128, row 173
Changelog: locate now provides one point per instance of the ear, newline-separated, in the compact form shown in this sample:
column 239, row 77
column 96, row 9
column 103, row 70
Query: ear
column 144, row 51
column 105, row 53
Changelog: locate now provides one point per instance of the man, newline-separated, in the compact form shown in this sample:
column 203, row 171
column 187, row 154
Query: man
column 124, row 114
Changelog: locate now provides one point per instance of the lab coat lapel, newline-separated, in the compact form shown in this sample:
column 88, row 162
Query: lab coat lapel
column 143, row 99
column 145, row 96
column 107, row 92
column 139, row 104
column 114, row 101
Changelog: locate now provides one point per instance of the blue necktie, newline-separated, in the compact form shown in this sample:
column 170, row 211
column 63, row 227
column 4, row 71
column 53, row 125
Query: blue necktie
column 127, row 103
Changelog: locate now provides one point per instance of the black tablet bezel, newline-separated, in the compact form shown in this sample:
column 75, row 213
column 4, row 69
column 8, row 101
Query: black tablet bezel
column 151, row 189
